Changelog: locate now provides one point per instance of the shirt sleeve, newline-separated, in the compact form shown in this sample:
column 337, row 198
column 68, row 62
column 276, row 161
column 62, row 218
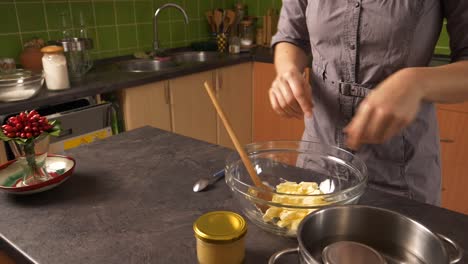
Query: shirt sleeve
column 456, row 12
column 292, row 25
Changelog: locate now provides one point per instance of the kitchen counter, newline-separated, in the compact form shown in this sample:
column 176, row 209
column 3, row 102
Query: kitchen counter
column 131, row 201
column 105, row 77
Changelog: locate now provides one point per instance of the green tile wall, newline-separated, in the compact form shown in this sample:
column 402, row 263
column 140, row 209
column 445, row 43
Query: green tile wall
column 118, row 27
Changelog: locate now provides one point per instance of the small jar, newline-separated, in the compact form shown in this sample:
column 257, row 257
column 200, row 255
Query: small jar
column 220, row 238
column 55, row 68
column 234, row 45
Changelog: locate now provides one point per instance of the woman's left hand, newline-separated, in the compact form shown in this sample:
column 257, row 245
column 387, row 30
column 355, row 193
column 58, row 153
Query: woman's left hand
column 389, row 108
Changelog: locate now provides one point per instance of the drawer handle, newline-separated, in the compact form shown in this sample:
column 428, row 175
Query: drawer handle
column 446, row 140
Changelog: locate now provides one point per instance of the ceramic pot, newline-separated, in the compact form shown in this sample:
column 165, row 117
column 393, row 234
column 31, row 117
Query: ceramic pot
column 31, row 59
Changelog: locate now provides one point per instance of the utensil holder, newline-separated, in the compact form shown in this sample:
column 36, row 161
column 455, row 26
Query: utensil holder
column 221, row 41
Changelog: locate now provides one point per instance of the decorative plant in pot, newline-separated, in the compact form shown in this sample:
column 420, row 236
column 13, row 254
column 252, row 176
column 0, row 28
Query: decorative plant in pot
column 28, row 135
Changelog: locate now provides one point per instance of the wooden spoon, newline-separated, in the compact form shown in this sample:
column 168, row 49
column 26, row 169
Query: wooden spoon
column 244, row 157
column 231, row 17
column 218, row 20
column 209, row 17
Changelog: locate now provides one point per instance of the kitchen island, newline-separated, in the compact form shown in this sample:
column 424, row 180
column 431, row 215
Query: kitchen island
column 131, row 201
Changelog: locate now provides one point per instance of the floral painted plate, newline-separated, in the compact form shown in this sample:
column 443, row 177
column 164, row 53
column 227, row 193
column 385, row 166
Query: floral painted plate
column 11, row 175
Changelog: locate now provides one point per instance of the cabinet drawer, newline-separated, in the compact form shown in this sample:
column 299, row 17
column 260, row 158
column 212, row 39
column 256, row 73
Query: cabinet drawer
column 454, row 154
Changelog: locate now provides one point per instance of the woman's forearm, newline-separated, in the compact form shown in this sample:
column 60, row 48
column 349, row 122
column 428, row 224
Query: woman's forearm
column 442, row 84
column 289, row 57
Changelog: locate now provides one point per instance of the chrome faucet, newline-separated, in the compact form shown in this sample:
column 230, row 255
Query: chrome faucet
column 155, row 22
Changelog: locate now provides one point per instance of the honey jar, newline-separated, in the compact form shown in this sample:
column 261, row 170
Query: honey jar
column 220, row 237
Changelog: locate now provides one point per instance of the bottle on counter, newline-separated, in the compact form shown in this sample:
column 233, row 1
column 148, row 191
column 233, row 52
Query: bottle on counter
column 55, row 68
column 220, row 238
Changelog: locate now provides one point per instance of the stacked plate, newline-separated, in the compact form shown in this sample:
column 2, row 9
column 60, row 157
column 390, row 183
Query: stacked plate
column 19, row 85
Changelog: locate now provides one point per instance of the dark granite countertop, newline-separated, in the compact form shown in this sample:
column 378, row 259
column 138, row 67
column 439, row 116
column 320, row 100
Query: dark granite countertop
column 105, row 77
column 130, row 201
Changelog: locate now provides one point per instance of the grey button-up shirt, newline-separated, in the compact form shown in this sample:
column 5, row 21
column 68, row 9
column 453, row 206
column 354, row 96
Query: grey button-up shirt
column 355, row 44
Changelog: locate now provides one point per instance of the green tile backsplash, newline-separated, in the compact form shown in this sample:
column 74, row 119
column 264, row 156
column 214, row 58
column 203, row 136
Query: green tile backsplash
column 120, row 27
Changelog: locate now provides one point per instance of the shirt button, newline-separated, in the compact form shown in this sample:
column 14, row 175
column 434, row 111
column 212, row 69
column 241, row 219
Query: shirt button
column 352, row 47
column 357, row 4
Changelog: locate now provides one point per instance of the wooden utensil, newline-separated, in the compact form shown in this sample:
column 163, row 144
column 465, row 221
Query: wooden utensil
column 209, row 18
column 244, row 157
column 231, row 18
column 218, row 19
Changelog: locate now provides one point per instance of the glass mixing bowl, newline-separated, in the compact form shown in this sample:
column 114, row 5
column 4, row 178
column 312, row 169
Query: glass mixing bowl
column 340, row 178
column 19, row 85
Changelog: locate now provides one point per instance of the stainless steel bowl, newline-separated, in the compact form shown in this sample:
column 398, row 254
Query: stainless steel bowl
column 397, row 238
column 20, row 85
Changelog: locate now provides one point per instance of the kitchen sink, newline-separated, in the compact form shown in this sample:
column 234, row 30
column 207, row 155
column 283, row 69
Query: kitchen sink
column 11, row 254
column 145, row 65
column 194, row 56
column 174, row 60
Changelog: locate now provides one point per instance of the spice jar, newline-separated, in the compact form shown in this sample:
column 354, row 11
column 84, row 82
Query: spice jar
column 220, row 238
column 55, row 68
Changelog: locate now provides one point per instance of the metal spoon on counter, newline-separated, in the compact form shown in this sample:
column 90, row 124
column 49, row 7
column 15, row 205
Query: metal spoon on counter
column 205, row 182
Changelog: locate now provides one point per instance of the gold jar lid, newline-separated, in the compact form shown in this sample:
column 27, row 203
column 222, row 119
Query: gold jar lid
column 52, row 49
column 220, row 227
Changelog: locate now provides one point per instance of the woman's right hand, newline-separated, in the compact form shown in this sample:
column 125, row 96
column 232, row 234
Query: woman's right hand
column 291, row 95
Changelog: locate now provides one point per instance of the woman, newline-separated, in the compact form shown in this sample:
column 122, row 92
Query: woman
column 371, row 89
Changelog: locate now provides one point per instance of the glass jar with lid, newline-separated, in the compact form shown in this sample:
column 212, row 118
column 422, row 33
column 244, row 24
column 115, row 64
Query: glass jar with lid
column 220, row 238
column 55, row 68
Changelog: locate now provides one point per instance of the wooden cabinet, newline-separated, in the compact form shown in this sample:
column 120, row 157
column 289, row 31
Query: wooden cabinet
column 267, row 124
column 182, row 106
column 463, row 107
column 193, row 114
column 454, row 155
column 146, row 105
column 234, row 90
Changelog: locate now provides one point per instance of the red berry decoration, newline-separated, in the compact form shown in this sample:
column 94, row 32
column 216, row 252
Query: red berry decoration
column 28, row 125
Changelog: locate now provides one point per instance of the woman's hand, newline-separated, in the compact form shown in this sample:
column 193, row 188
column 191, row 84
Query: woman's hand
column 386, row 110
column 291, row 95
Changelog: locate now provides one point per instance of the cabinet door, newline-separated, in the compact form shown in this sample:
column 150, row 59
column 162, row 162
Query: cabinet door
column 234, row 89
column 267, row 125
column 146, row 105
column 454, row 156
column 461, row 107
column 193, row 114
